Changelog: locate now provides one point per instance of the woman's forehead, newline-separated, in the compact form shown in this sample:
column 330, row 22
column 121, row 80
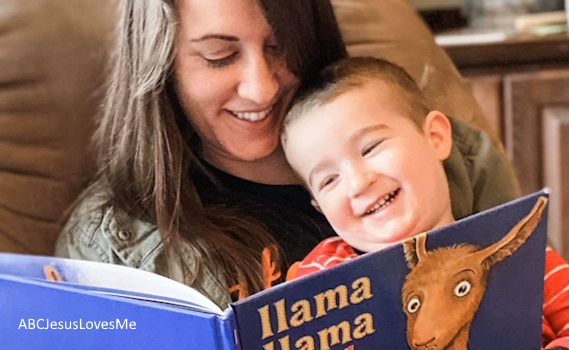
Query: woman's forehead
column 228, row 17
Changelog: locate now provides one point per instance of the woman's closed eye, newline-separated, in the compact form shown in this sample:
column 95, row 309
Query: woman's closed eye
column 274, row 49
column 272, row 46
column 370, row 147
column 218, row 61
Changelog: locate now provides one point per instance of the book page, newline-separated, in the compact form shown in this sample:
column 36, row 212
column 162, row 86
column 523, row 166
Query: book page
column 133, row 282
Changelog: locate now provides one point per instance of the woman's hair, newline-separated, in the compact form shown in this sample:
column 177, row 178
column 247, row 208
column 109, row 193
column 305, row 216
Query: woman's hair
column 144, row 151
column 354, row 73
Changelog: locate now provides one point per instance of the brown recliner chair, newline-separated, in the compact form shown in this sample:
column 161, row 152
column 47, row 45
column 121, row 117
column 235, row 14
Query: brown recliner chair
column 52, row 59
column 51, row 73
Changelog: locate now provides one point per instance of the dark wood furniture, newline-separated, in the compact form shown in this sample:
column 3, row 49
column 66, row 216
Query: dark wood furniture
column 522, row 84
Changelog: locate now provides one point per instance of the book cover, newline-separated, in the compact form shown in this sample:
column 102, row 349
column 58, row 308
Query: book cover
column 475, row 284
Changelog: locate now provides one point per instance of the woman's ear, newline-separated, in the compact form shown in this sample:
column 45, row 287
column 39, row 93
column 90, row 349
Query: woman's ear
column 316, row 206
column 438, row 130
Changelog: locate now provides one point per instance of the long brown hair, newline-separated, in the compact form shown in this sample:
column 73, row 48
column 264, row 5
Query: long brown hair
column 144, row 153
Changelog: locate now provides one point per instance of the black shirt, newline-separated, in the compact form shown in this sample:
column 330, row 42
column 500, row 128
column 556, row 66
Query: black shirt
column 284, row 209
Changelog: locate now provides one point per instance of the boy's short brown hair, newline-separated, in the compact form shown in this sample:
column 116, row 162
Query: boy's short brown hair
column 356, row 72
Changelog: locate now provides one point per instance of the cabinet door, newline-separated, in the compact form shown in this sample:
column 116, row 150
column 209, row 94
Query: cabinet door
column 536, row 135
column 556, row 174
column 487, row 91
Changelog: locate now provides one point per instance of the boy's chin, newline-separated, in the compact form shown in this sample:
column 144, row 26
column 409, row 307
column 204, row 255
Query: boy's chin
column 387, row 242
column 374, row 246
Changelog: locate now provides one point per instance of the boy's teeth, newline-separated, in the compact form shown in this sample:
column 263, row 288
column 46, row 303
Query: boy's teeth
column 253, row 117
column 384, row 202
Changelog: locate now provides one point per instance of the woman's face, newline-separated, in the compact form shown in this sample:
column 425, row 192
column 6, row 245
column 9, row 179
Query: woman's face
column 232, row 79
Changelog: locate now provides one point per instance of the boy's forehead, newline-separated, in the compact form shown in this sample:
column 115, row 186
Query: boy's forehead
column 372, row 92
column 339, row 118
column 374, row 98
column 337, row 121
column 359, row 107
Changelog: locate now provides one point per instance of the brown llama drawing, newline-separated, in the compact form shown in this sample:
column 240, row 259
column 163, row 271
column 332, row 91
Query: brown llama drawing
column 444, row 288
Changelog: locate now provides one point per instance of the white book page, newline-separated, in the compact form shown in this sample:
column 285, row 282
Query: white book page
column 100, row 275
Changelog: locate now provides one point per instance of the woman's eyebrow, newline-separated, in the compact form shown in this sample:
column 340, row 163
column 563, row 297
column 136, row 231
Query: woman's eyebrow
column 215, row 37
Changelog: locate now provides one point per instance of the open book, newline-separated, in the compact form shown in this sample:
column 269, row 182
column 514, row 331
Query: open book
column 475, row 284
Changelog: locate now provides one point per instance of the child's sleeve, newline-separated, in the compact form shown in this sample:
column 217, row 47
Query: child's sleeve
column 330, row 252
column 555, row 324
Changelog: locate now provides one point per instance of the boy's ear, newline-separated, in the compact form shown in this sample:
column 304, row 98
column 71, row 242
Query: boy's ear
column 316, row 206
column 439, row 131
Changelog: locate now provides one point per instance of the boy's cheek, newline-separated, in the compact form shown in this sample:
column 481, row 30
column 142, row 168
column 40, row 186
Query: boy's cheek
column 338, row 213
column 393, row 162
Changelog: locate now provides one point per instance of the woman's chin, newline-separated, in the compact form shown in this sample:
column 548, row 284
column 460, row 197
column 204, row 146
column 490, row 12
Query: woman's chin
column 252, row 152
column 256, row 152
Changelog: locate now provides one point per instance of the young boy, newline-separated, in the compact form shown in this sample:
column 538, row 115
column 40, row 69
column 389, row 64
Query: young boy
column 371, row 153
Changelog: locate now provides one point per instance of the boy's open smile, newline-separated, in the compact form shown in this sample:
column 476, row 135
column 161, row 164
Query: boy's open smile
column 383, row 202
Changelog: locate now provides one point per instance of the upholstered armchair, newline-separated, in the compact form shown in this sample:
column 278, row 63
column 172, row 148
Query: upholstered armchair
column 52, row 56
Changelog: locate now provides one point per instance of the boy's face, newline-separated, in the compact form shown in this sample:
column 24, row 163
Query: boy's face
column 376, row 177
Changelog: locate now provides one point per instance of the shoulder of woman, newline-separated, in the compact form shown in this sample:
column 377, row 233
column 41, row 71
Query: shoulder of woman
column 481, row 170
column 468, row 140
column 96, row 232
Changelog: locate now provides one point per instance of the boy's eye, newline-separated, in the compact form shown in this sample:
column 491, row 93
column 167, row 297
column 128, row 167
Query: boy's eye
column 221, row 62
column 371, row 147
column 327, row 181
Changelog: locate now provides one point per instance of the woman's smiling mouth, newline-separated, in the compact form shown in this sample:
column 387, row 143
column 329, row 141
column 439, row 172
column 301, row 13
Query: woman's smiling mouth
column 383, row 202
column 253, row 116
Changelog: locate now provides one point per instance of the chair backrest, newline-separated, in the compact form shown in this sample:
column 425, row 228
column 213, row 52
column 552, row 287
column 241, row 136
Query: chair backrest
column 52, row 55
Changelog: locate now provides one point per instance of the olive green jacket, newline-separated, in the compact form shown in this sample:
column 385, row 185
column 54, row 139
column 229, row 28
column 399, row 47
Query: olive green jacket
column 479, row 176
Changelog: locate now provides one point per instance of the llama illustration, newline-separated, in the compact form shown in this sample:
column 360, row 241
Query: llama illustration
column 444, row 288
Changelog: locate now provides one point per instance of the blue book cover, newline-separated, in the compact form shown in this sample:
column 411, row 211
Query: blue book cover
column 475, row 284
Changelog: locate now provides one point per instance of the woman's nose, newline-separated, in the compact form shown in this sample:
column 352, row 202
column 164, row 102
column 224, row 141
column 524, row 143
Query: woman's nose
column 259, row 82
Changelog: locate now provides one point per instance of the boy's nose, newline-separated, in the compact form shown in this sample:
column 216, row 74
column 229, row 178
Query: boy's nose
column 359, row 180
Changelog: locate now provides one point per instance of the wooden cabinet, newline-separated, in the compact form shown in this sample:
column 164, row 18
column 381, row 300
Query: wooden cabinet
column 523, row 87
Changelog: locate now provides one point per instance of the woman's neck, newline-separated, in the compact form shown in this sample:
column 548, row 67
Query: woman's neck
column 271, row 170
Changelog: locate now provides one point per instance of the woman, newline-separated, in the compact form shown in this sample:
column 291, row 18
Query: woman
column 193, row 183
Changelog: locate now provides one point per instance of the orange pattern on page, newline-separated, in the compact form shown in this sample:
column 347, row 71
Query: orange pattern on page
column 51, row 274
column 270, row 272
column 242, row 293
